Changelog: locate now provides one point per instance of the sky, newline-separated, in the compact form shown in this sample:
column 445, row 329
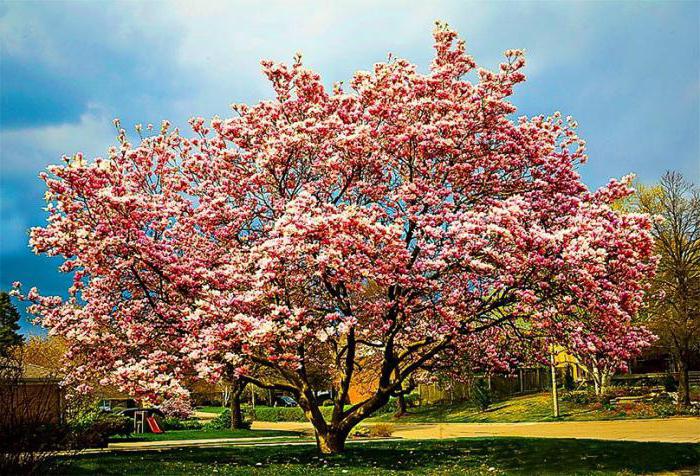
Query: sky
column 628, row 72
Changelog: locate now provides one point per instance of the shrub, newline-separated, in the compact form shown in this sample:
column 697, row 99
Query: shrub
column 670, row 384
column 569, row 383
column 580, row 397
column 177, row 407
column 327, row 403
column 94, row 428
column 223, row 422
column 381, row 430
column 412, row 400
column 24, row 448
column 390, row 407
column 664, row 409
column 361, row 432
column 481, row 395
column 284, row 413
column 172, row 423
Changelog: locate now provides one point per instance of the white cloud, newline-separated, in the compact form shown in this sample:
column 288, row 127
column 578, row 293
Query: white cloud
column 32, row 149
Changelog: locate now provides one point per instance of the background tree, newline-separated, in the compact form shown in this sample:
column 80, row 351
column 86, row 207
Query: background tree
column 674, row 314
column 9, row 325
column 46, row 351
column 603, row 347
column 254, row 242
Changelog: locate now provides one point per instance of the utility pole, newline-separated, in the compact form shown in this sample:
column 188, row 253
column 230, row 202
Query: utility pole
column 555, row 393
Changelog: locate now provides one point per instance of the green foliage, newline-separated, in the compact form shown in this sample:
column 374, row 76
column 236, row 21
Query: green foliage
column 481, row 395
column 381, row 430
column 94, row 427
column 390, row 408
column 173, row 423
column 412, row 400
column 387, row 409
column 9, row 319
column 579, row 397
column 664, row 406
column 468, row 456
column 670, row 384
column 569, row 383
column 204, row 434
column 223, row 422
column 284, row 413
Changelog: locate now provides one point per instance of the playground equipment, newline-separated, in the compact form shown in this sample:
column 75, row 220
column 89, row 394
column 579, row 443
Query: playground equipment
column 153, row 425
column 144, row 419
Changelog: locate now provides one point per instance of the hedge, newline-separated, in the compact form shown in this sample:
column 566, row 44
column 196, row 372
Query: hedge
column 281, row 413
column 264, row 413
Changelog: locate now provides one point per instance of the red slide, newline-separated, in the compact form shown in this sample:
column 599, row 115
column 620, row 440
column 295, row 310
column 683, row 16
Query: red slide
column 153, row 425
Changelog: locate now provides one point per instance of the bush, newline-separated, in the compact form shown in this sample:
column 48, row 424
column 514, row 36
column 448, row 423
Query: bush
column 569, row 383
column 223, row 422
column 94, row 428
column 580, row 397
column 670, row 384
column 284, row 413
column 327, row 403
column 412, row 400
column 177, row 407
column 481, row 395
column 664, row 409
column 172, row 423
column 381, row 430
column 24, row 448
column 360, row 432
column 390, row 407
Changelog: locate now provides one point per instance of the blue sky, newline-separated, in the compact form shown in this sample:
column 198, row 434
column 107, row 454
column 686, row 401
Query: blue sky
column 629, row 72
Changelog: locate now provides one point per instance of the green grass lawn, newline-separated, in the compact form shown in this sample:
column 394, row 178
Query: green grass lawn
column 265, row 413
column 528, row 408
column 520, row 456
column 208, row 409
column 203, row 434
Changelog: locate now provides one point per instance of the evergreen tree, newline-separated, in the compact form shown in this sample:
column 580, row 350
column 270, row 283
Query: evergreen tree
column 9, row 318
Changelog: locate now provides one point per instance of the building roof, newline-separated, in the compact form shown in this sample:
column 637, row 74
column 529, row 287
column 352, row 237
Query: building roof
column 37, row 372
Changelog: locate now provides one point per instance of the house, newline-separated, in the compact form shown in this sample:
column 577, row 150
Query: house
column 30, row 395
column 524, row 380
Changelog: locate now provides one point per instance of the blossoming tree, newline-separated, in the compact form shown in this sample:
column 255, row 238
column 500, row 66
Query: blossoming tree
column 606, row 347
column 399, row 218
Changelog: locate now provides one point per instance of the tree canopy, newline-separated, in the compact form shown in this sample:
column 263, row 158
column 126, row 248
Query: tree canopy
column 399, row 217
column 9, row 325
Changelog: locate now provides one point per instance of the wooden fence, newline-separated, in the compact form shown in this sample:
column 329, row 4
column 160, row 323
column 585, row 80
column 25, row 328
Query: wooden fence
column 527, row 380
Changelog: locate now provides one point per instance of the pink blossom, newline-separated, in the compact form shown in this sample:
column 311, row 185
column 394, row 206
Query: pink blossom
column 409, row 207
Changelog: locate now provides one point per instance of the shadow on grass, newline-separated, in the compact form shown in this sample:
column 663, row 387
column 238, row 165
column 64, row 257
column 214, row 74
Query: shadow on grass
column 176, row 435
column 506, row 455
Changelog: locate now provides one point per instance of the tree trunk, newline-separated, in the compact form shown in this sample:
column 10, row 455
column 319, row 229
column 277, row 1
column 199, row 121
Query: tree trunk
column 604, row 381
column 400, row 400
column 555, row 392
column 237, row 388
column 683, row 384
column 597, row 382
column 400, row 406
column 331, row 436
column 332, row 441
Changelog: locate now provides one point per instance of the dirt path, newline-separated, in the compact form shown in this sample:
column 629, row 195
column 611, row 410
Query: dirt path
column 670, row 430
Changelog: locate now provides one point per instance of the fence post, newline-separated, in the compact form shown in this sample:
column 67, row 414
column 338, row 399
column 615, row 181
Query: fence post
column 520, row 379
